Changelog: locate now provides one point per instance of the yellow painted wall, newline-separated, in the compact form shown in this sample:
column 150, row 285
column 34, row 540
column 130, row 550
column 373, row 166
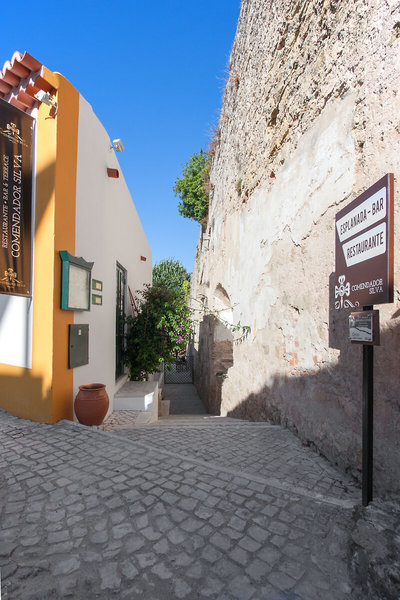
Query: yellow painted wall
column 44, row 393
column 64, row 237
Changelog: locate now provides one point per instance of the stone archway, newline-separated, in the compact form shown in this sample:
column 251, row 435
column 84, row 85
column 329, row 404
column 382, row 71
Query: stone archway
column 215, row 351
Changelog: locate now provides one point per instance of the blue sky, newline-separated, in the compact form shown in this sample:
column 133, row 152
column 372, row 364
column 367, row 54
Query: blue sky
column 154, row 73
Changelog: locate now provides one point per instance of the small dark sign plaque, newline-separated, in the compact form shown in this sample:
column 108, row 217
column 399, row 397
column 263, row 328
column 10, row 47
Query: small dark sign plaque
column 364, row 248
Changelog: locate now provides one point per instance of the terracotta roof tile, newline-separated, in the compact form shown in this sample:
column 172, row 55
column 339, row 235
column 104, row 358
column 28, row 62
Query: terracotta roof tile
column 26, row 99
column 10, row 78
column 42, row 84
column 20, row 80
column 4, row 88
column 15, row 102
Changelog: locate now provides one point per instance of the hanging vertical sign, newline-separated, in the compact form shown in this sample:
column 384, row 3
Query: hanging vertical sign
column 16, row 136
column 364, row 248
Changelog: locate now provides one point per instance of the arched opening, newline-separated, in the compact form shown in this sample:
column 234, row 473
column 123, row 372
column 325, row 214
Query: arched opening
column 215, row 354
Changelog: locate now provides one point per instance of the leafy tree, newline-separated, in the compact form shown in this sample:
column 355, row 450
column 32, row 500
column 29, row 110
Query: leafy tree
column 171, row 274
column 191, row 187
column 160, row 329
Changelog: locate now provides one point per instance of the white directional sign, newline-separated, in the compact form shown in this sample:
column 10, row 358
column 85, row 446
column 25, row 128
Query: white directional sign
column 364, row 248
column 363, row 216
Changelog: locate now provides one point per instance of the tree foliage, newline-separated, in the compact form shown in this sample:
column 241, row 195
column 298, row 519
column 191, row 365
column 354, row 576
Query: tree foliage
column 161, row 328
column 171, row 274
column 192, row 187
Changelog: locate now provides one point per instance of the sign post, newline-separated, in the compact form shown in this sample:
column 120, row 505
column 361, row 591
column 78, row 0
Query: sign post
column 368, row 422
column 364, row 276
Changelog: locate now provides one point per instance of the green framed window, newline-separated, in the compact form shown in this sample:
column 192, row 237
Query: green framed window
column 76, row 275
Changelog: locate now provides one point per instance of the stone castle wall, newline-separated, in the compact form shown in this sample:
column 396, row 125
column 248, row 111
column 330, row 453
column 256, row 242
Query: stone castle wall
column 310, row 119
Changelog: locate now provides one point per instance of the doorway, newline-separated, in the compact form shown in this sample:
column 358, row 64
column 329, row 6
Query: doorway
column 120, row 321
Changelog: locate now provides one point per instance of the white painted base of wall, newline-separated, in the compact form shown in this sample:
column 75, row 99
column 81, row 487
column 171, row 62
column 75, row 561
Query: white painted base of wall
column 136, row 395
column 16, row 331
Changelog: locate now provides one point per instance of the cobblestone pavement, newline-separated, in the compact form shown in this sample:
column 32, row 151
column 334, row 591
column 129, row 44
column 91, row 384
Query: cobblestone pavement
column 260, row 449
column 124, row 419
column 143, row 514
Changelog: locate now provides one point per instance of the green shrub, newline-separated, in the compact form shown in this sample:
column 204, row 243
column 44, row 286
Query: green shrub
column 170, row 273
column 161, row 328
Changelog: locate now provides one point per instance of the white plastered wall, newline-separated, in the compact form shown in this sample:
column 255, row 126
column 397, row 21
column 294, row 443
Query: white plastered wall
column 108, row 230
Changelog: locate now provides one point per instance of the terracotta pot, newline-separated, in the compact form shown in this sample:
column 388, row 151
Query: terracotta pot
column 91, row 404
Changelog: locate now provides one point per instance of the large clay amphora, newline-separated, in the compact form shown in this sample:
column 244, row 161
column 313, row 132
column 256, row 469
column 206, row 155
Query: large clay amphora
column 91, row 403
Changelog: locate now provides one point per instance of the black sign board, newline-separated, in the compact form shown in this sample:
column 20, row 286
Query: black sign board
column 364, row 248
column 16, row 135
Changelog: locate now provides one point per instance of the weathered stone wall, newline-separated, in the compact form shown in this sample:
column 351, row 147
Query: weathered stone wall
column 310, row 119
column 215, row 341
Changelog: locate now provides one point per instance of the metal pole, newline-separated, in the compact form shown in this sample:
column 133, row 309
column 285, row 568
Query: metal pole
column 368, row 427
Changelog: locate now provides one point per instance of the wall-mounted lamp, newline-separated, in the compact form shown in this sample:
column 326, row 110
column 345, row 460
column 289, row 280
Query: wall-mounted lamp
column 47, row 99
column 118, row 145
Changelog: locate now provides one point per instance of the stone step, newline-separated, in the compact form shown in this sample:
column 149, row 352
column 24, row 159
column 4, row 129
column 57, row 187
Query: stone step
column 137, row 395
column 206, row 419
